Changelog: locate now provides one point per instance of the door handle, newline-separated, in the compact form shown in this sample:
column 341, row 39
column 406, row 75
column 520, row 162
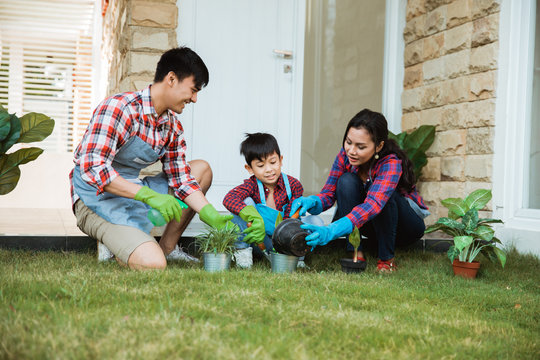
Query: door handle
column 286, row 54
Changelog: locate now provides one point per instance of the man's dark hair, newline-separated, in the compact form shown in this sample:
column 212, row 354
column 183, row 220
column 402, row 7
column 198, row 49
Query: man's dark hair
column 184, row 62
column 258, row 146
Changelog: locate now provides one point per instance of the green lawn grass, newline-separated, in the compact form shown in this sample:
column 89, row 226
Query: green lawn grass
column 66, row 305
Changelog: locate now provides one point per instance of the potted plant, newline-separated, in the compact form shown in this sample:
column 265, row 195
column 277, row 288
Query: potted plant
column 471, row 235
column 353, row 265
column 415, row 145
column 217, row 247
column 30, row 128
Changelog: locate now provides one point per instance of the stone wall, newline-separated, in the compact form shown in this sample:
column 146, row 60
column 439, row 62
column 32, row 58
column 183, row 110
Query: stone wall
column 451, row 51
column 135, row 34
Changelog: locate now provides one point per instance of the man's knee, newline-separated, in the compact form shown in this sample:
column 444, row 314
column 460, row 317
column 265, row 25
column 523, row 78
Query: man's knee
column 147, row 256
column 202, row 172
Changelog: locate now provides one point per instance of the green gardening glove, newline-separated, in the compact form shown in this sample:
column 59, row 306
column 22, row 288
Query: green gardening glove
column 254, row 233
column 212, row 217
column 166, row 204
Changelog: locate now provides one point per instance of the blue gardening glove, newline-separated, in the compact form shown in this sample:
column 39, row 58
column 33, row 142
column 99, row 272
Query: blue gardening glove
column 255, row 233
column 311, row 203
column 322, row 235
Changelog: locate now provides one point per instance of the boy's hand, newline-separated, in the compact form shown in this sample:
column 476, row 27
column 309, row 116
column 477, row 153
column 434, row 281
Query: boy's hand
column 212, row 217
column 166, row 204
column 311, row 203
column 255, row 233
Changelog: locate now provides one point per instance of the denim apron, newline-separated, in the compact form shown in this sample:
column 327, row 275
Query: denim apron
column 132, row 157
column 268, row 214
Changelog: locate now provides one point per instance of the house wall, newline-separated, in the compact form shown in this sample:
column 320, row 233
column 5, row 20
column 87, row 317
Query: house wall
column 135, row 34
column 451, row 51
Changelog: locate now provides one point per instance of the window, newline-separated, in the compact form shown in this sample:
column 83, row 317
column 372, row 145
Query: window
column 534, row 160
column 46, row 64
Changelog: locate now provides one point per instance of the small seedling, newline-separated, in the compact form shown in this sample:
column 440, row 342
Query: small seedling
column 354, row 239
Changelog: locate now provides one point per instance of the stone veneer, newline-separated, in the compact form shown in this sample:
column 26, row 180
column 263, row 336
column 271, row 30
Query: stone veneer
column 451, row 51
column 135, row 34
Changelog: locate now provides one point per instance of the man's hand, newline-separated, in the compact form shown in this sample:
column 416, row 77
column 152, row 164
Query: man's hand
column 255, row 233
column 166, row 204
column 209, row 215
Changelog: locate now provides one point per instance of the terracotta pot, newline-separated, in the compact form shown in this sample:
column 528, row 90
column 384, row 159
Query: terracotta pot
column 465, row 269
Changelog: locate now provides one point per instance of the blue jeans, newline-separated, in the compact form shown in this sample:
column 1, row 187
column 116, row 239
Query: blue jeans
column 396, row 225
column 240, row 244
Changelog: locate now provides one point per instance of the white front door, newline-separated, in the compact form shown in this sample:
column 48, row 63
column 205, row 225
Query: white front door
column 254, row 85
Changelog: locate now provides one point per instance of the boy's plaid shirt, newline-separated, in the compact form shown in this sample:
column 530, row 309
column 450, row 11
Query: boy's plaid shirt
column 113, row 123
column 234, row 200
column 385, row 176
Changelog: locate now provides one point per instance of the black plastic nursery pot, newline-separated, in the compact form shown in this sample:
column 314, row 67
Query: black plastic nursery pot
column 290, row 239
column 349, row 266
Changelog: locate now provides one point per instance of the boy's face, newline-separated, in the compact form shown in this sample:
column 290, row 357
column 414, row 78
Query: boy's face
column 267, row 170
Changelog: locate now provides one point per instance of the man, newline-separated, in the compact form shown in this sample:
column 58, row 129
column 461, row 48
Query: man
column 128, row 132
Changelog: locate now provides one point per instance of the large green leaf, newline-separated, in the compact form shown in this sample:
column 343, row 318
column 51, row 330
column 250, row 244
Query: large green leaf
column 432, row 228
column 489, row 221
column 461, row 242
column 501, row 255
column 485, row 232
column 452, row 253
column 13, row 135
column 35, row 127
column 419, row 161
column 399, row 138
column 470, row 220
column 5, row 124
column 13, row 160
column 451, row 223
column 10, row 178
column 421, row 138
column 455, row 205
column 478, row 199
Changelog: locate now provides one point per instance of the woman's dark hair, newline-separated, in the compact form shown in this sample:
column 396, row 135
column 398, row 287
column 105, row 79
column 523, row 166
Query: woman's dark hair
column 377, row 127
column 258, row 146
column 184, row 62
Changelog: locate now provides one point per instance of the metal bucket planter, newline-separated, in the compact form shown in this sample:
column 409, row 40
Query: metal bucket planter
column 216, row 262
column 282, row 263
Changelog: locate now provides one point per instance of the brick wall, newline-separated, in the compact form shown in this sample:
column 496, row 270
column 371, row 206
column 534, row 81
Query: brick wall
column 451, row 50
column 135, row 34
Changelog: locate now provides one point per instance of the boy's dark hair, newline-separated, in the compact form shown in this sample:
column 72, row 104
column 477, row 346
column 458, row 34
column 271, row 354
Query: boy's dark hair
column 184, row 62
column 258, row 146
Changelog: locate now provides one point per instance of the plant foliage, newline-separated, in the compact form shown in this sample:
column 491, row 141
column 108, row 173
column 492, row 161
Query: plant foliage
column 354, row 239
column 218, row 241
column 32, row 127
column 472, row 235
column 415, row 145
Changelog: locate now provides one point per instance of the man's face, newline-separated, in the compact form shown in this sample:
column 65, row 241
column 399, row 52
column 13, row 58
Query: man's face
column 181, row 92
column 267, row 170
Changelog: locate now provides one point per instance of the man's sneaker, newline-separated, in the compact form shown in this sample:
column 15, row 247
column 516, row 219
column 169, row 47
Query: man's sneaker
column 103, row 252
column 179, row 255
column 244, row 257
column 386, row 266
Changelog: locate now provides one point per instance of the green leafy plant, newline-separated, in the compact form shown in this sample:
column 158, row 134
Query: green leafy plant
column 30, row 128
column 471, row 235
column 218, row 241
column 354, row 239
column 415, row 145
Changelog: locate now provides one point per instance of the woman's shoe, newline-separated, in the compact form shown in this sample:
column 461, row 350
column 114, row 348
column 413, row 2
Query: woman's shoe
column 386, row 266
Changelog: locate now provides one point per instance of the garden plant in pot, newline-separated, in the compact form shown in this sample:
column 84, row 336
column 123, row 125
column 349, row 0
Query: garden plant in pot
column 217, row 247
column 471, row 235
column 353, row 265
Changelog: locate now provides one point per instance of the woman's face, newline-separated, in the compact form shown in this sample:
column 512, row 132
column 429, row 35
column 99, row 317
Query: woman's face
column 359, row 146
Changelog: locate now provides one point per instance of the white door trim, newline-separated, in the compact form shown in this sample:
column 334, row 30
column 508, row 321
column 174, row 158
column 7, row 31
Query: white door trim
column 512, row 127
column 394, row 68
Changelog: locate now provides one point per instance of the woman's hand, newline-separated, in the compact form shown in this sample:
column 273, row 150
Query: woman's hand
column 311, row 203
column 322, row 235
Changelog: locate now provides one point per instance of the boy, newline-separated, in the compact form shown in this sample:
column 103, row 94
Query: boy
column 261, row 197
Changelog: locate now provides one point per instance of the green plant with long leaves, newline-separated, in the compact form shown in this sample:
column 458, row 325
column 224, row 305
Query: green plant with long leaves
column 218, row 241
column 415, row 145
column 30, row 128
column 354, row 239
column 471, row 234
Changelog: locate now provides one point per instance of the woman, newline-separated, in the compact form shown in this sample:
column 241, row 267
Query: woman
column 373, row 182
